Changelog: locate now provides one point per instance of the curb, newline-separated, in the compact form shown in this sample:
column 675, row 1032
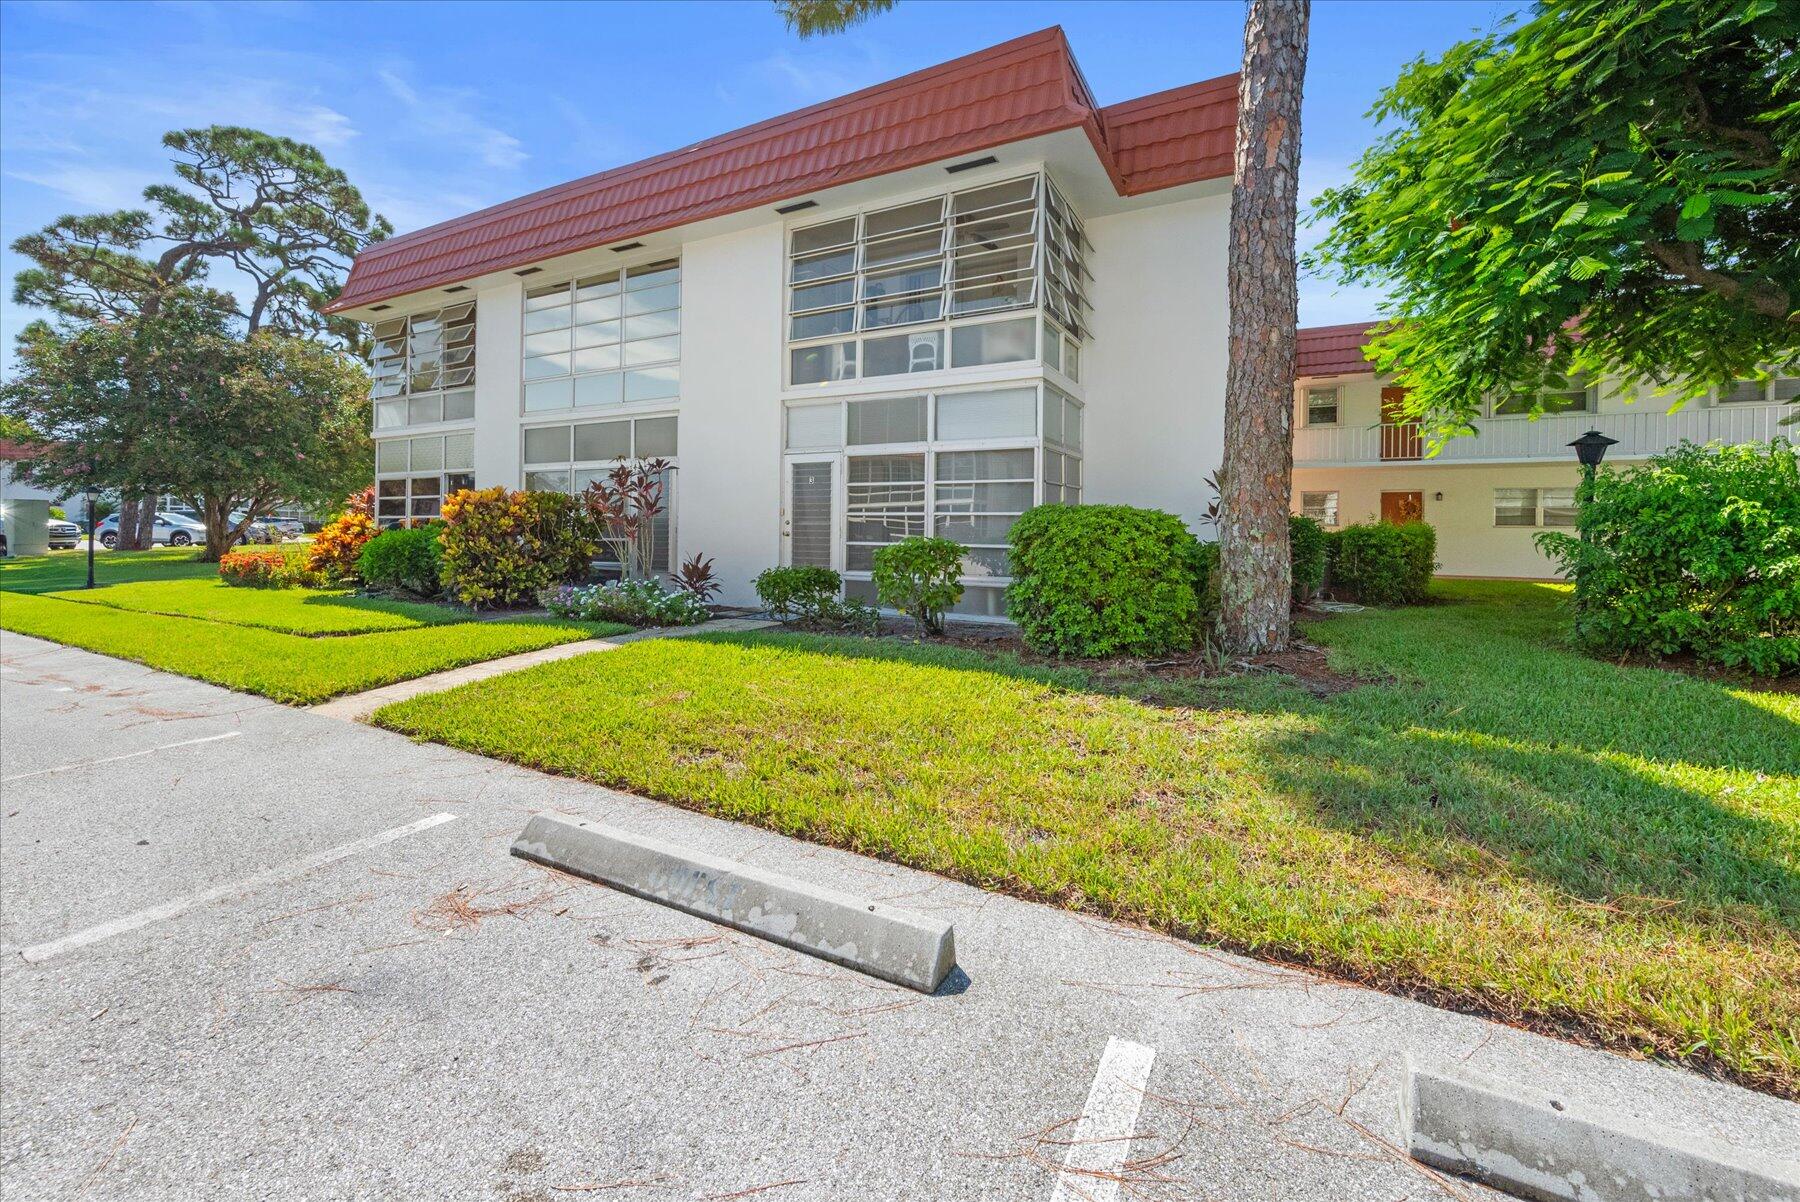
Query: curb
column 1535, row 1145
column 883, row 941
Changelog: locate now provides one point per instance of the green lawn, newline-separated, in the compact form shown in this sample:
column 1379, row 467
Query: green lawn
column 1500, row 825
column 295, row 645
column 68, row 569
column 316, row 612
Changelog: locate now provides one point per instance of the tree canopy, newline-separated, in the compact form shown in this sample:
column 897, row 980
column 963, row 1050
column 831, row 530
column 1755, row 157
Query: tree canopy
column 1608, row 187
column 174, row 402
column 268, row 208
column 810, row 17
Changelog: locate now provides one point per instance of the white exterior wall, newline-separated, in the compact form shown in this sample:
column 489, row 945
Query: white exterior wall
column 1155, row 369
column 728, row 488
column 499, row 390
column 1152, row 375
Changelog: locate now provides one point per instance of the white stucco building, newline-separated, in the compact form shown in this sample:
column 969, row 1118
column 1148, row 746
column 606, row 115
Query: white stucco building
column 923, row 307
column 1487, row 494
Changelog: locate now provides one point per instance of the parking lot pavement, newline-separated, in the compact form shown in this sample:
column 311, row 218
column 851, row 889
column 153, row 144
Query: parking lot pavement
column 298, row 962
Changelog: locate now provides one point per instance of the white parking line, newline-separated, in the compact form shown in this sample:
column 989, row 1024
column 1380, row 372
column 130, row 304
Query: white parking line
column 129, row 755
column 40, row 952
column 1097, row 1150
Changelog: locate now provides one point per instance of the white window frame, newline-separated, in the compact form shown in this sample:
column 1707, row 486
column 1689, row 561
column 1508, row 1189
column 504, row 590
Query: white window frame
column 860, row 334
column 406, row 395
column 568, row 282
column 1765, row 396
column 442, row 472
column 1539, row 506
column 590, row 416
column 1337, row 403
column 930, row 447
column 1590, row 403
column 1329, row 517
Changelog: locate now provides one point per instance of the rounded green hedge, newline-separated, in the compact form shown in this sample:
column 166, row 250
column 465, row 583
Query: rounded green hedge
column 1382, row 563
column 1094, row 580
column 404, row 559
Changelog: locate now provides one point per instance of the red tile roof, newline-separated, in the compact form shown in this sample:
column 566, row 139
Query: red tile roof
column 1332, row 350
column 1019, row 89
column 1173, row 137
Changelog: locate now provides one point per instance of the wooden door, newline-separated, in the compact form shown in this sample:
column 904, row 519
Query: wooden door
column 1401, row 507
column 1399, row 437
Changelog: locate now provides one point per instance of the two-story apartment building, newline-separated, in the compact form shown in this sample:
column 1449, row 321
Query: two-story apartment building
column 1489, row 493
column 923, row 307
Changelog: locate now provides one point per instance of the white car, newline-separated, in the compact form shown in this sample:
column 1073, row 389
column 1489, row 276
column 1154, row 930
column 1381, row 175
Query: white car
column 171, row 530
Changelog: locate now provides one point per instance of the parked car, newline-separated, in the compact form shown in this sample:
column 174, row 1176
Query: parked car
column 266, row 530
column 171, row 529
column 63, row 535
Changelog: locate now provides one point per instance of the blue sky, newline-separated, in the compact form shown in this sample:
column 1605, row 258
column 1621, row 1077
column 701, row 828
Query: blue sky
column 441, row 108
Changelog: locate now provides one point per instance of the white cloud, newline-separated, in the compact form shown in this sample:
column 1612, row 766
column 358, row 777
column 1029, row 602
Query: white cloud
column 92, row 187
column 445, row 113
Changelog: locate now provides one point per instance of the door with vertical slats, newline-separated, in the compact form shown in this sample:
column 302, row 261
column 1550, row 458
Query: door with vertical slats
column 808, row 528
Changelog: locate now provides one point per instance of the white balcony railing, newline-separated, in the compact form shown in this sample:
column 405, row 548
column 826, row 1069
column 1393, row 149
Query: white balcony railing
column 1641, row 433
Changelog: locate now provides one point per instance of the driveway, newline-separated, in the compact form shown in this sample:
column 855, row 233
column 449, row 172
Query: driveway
column 253, row 951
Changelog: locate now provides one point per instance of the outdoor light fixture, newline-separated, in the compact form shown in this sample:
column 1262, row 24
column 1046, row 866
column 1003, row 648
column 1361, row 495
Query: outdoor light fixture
column 458, row 288
column 379, row 308
column 529, row 271
column 1590, row 449
column 795, row 208
column 628, row 246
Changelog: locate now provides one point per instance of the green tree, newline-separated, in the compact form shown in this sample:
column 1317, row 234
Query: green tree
column 810, row 17
column 175, row 402
column 1609, row 186
column 267, row 213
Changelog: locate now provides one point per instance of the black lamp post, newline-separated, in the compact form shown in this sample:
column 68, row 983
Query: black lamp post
column 88, row 500
column 1590, row 449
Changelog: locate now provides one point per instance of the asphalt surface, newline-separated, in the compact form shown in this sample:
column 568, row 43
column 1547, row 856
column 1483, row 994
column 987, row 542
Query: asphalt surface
column 392, row 1007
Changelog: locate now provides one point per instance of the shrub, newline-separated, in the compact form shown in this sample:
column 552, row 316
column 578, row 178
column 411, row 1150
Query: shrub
column 1697, row 550
column 254, row 569
column 339, row 543
column 501, row 547
column 1095, row 580
column 1382, row 563
column 270, row 567
column 918, row 577
column 696, row 576
column 404, row 559
column 1306, row 545
column 799, row 592
column 637, row 602
column 812, row 597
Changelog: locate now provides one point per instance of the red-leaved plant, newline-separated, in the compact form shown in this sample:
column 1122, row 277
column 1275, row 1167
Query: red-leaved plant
column 624, row 505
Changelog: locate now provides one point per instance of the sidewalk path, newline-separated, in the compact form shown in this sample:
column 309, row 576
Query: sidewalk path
column 356, row 707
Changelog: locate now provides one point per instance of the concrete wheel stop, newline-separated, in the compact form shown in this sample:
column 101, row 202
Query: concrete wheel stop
column 883, row 941
column 1548, row 1148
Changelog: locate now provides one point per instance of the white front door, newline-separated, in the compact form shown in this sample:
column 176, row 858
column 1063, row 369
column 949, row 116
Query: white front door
column 809, row 513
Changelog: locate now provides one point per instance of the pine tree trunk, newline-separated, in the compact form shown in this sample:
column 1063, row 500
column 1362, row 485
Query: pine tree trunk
column 1255, row 568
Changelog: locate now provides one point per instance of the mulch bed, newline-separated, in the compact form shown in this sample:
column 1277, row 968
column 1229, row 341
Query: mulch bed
column 1305, row 665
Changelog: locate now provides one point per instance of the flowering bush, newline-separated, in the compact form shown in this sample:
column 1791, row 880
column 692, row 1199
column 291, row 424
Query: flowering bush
column 636, row 602
column 270, row 567
column 501, row 547
column 338, row 545
column 253, row 569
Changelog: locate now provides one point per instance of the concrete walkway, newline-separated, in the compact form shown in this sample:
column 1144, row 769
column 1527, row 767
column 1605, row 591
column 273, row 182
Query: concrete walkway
column 356, row 707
